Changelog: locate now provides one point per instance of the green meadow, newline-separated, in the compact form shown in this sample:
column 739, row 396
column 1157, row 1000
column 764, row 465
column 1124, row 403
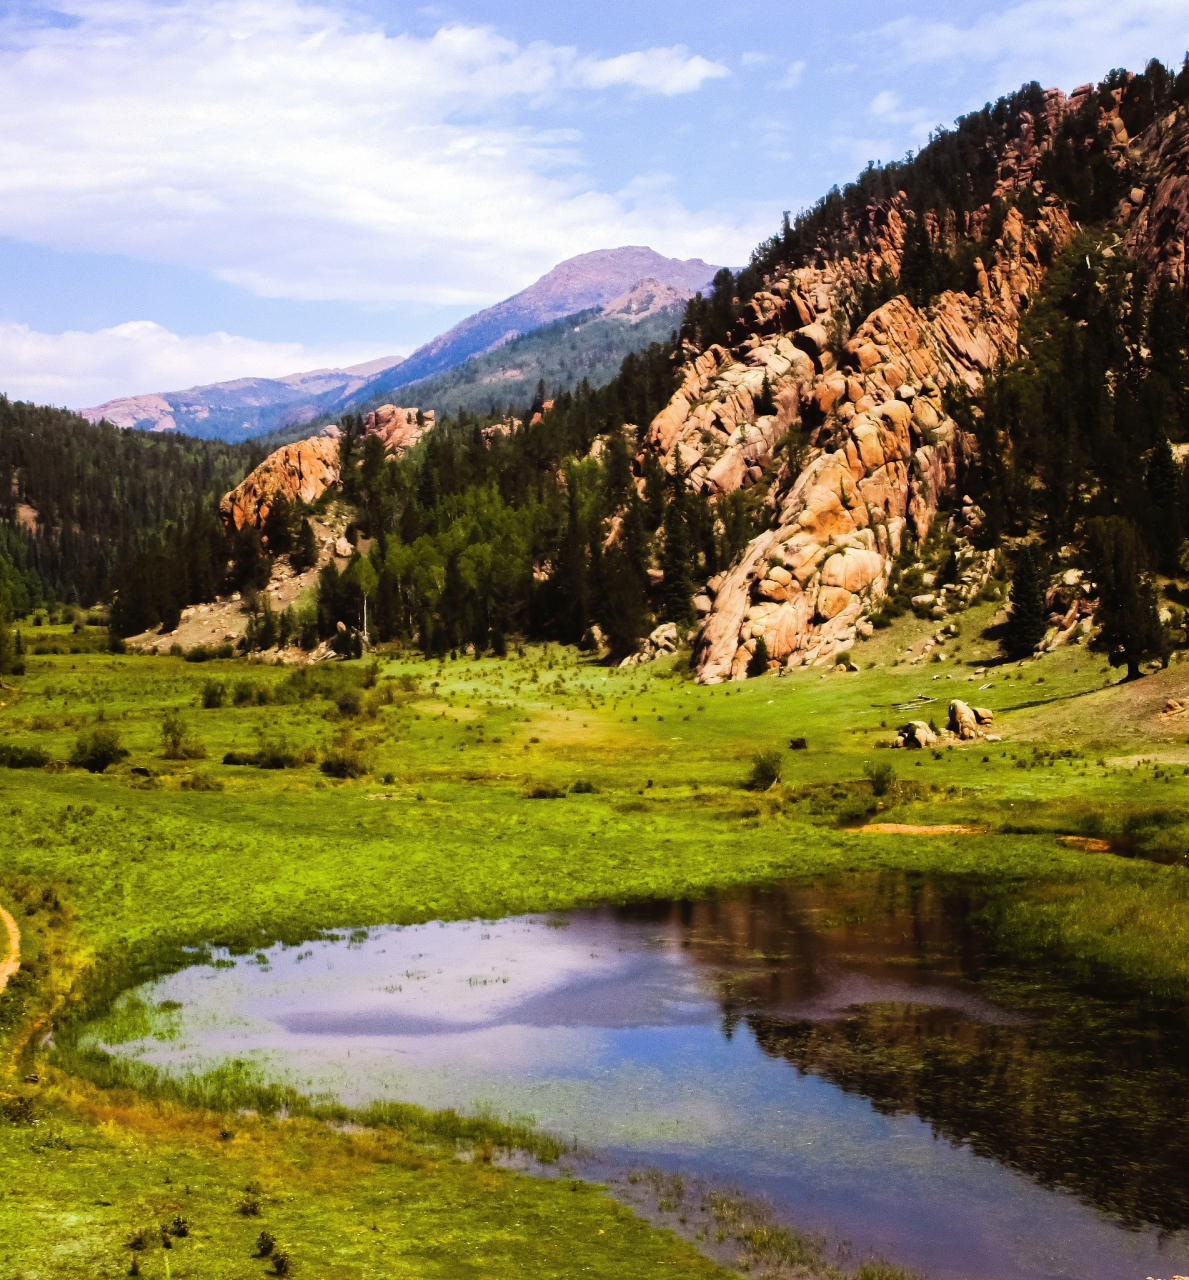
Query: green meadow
column 399, row 790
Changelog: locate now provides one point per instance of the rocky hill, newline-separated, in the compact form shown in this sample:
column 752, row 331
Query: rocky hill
column 867, row 395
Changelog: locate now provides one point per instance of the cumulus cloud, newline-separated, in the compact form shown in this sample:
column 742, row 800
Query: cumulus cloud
column 79, row 369
column 299, row 152
column 1094, row 36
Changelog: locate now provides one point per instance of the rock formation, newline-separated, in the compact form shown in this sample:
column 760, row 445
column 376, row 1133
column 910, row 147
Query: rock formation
column 400, row 429
column 882, row 452
column 305, row 470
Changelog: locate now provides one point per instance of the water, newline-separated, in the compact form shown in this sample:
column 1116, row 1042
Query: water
column 851, row 1052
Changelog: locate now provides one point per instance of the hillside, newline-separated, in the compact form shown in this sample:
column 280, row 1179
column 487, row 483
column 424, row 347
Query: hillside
column 249, row 407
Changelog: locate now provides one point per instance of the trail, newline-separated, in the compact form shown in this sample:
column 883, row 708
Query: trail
column 11, row 962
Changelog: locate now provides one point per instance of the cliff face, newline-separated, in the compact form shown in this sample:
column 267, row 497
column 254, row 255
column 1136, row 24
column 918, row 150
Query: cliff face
column 882, row 452
column 305, row 470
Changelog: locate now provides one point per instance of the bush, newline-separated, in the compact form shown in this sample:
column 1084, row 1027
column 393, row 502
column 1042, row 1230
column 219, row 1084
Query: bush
column 544, row 792
column 23, row 757
column 583, row 788
column 881, row 776
column 348, row 702
column 266, row 1242
column 280, row 1263
column 757, row 664
column 96, row 750
column 244, row 693
column 343, row 762
column 176, row 741
column 214, row 694
column 765, row 770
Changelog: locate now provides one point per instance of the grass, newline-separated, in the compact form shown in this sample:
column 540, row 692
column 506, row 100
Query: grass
column 116, row 876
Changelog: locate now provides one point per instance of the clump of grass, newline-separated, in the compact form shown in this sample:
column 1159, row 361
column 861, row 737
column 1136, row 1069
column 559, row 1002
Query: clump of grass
column 266, row 1242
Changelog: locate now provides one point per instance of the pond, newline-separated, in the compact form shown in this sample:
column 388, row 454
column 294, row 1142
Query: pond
column 853, row 1052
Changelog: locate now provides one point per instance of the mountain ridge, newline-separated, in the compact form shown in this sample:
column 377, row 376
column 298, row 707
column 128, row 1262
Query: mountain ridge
column 244, row 407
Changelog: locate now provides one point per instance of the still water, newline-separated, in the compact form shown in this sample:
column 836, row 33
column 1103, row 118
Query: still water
column 851, row 1052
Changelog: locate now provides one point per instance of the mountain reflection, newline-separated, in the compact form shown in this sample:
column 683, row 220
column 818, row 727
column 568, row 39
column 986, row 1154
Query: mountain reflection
column 886, row 987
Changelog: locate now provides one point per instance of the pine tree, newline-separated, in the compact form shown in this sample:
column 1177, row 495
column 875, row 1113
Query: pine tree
column 1165, row 518
column 1026, row 621
column 1131, row 626
column 8, row 648
column 765, row 402
column 757, row 664
column 678, row 555
column 305, row 553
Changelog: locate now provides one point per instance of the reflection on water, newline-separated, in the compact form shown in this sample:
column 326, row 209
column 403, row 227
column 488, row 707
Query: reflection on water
column 814, row 1044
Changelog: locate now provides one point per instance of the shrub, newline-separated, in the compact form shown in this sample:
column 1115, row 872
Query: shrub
column 176, row 651
column 757, row 664
column 765, row 769
column 881, row 776
column 348, row 702
column 23, row 757
column 544, row 792
column 343, row 762
column 583, row 788
column 249, row 1206
column 176, row 742
column 280, row 1263
column 200, row 653
column 96, row 750
column 214, row 694
column 244, row 693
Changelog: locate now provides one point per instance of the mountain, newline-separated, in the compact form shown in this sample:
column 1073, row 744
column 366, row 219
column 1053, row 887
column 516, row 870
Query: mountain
column 244, row 407
column 252, row 406
column 590, row 345
column 589, row 280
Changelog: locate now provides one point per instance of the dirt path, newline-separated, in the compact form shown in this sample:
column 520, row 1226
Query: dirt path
column 12, row 962
column 906, row 829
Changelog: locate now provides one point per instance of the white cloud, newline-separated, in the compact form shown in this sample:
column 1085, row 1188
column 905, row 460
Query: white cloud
column 667, row 71
column 80, row 369
column 1062, row 42
column 285, row 147
column 792, row 77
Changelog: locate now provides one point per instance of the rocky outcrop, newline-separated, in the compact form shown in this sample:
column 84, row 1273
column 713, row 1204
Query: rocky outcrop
column 304, row 471
column 662, row 641
column 1156, row 214
column 400, row 429
column 881, row 455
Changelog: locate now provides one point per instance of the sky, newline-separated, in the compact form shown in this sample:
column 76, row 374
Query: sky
column 209, row 189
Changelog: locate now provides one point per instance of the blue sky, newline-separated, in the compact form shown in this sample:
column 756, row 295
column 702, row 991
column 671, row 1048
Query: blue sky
column 208, row 189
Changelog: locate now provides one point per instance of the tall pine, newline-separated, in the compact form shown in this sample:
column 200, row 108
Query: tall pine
column 1026, row 620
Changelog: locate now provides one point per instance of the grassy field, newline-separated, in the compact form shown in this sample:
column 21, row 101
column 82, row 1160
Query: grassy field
column 405, row 790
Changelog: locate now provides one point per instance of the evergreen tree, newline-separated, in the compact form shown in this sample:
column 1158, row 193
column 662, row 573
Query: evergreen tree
column 305, row 553
column 8, row 647
column 677, row 559
column 277, row 532
column 1165, row 518
column 765, row 402
column 1026, row 620
column 1131, row 626
column 757, row 664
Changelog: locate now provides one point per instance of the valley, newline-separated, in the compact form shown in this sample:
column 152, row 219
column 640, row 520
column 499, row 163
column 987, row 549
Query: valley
column 723, row 813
